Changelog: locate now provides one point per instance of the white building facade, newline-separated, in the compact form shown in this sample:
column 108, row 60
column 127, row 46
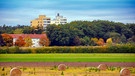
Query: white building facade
column 59, row 20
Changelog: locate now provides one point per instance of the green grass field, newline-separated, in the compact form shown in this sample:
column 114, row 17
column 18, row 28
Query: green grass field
column 68, row 57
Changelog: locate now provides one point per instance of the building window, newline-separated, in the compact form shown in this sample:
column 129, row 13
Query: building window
column 48, row 21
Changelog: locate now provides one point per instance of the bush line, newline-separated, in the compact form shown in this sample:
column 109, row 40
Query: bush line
column 122, row 48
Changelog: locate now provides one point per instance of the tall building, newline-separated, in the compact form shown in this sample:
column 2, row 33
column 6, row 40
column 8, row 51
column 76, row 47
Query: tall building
column 42, row 21
column 59, row 20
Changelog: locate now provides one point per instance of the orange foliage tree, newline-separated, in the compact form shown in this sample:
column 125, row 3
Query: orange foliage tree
column 7, row 39
column 20, row 41
column 100, row 42
column 44, row 41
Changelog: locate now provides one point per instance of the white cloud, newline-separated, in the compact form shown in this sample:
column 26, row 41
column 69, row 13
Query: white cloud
column 24, row 16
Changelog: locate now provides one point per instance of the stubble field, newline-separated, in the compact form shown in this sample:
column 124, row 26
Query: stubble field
column 77, row 64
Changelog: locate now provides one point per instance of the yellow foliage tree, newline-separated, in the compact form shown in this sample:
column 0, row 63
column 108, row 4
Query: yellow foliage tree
column 28, row 41
column 109, row 41
column 94, row 40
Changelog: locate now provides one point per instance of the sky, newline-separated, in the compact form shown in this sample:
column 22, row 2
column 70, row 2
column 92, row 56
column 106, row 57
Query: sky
column 14, row 12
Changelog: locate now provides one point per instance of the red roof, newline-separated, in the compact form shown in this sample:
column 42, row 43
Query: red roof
column 27, row 35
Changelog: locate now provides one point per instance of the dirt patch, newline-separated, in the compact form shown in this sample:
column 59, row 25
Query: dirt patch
column 73, row 64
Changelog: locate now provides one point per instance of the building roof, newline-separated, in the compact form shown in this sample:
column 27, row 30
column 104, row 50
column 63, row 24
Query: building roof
column 28, row 35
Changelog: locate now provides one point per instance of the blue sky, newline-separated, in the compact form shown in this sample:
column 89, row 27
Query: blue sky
column 13, row 12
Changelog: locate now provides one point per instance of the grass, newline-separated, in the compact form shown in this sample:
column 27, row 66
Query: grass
column 70, row 57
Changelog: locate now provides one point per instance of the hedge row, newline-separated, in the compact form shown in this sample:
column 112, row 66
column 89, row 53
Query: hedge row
column 126, row 48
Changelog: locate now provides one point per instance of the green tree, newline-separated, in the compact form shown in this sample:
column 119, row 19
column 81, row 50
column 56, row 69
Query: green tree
column 123, row 39
column 132, row 27
column 82, row 41
column 86, row 41
column 127, row 32
column 62, row 35
column 28, row 30
column 132, row 39
column 18, row 31
column 76, row 41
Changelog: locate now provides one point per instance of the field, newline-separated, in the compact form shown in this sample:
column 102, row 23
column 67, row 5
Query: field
column 70, row 71
column 67, row 57
column 77, row 64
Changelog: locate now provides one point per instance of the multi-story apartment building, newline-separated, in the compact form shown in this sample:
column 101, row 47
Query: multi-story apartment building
column 42, row 21
column 59, row 20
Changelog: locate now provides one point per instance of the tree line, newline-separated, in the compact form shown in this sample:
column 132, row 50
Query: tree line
column 20, row 29
column 76, row 33
column 95, row 32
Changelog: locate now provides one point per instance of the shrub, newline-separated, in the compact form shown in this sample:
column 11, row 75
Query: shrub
column 122, row 48
column 3, row 50
column 14, row 49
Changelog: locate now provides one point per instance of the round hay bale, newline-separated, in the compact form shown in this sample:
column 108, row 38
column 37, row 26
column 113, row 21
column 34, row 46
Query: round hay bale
column 15, row 72
column 125, row 72
column 62, row 67
column 102, row 67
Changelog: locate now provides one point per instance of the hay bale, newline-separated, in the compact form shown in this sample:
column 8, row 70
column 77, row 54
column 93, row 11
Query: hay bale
column 102, row 67
column 125, row 72
column 15, row 72
column 62, row 67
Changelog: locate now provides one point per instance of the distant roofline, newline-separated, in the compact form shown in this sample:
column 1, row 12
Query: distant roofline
column 27, row 35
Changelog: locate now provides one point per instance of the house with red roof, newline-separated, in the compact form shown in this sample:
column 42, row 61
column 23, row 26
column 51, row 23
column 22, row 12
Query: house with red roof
column 35, row 38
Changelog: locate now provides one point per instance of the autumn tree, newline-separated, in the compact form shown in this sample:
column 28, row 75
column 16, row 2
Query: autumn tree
column 94, row 41
column 109, row 41
column 7, row 39
column 44, row 41
column 100, row 42
column 28, row 41
column 20, row 41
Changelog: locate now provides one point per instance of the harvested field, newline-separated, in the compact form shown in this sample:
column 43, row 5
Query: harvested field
column 71, row 64
column 70, row 71
column 73, row 68
column 84, row 65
